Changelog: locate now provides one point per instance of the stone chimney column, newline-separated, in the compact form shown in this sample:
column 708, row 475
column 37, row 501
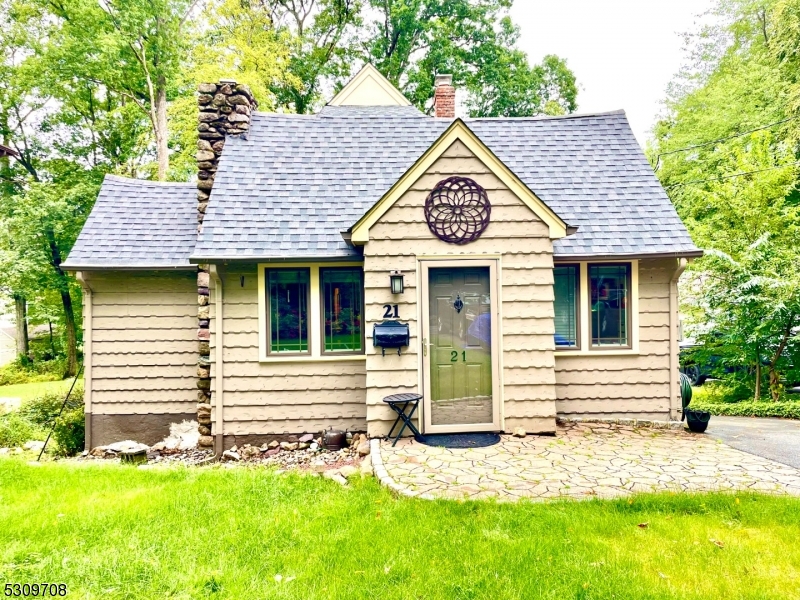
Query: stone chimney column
column 444, row 97
column 225, row 110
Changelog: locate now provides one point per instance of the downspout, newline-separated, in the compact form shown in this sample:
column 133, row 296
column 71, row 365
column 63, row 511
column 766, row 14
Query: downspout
column 673, row 339
column 88, row 326
column 218, row 378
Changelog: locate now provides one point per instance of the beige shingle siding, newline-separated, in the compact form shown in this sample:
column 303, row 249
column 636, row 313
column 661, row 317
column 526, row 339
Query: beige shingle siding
column 144, row 346
column 263, row 398
column 625, row 386
column 527, row 296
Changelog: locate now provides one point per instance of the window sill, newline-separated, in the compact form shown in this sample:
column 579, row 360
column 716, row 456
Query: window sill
column 311, row 359
column 621, row 352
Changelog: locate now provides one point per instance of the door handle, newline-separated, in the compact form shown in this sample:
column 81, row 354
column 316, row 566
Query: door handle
column 424, row 346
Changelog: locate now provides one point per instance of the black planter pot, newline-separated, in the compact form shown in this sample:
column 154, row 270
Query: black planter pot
column 697, row 419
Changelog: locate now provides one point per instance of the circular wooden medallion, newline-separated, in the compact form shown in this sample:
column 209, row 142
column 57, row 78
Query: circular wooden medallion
column 457, row 210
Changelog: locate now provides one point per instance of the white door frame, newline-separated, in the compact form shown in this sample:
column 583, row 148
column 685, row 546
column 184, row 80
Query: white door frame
column 424, row 337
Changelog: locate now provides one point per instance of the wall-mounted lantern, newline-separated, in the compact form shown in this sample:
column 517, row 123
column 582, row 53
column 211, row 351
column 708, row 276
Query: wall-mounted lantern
column 397, row 281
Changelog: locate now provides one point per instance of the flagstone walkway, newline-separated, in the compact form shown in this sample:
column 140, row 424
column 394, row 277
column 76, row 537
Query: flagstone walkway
column 584, row 460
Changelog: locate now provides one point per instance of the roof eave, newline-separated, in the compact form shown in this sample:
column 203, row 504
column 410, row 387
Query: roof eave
column 121, row 267
column 697, row 253
column 277, row 259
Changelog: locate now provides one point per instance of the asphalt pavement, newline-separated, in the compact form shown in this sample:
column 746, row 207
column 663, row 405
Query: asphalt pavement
column 776, row 439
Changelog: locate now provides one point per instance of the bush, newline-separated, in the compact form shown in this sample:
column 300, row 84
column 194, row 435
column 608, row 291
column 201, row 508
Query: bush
column 69, row 432
column 15, row 430
column 44, row 409
column 786, row 410
column 35, row 417
column 729, row 390
column 23, row 370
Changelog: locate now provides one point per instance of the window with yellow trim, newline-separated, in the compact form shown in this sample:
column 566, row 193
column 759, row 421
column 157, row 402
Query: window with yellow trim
column 288, row 292
column 342, row 290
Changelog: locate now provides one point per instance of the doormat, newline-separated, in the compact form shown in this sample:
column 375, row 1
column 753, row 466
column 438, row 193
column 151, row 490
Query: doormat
column 459, row 440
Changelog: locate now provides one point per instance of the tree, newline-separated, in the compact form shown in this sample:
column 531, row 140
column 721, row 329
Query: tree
column 413, row 40
column 240, row 42
column 133, row 48
column 726, row 155
column 67, row 132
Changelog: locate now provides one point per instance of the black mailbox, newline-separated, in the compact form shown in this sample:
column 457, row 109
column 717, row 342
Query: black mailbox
column 390, row 334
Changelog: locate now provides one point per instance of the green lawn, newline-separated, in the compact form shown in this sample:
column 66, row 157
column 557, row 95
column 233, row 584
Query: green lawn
column 27, row 391
column 109, row 531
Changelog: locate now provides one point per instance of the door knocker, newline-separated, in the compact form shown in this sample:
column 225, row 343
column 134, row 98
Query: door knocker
column 458, row 304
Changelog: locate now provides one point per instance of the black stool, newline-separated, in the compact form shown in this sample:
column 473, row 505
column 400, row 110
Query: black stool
column 399, row 403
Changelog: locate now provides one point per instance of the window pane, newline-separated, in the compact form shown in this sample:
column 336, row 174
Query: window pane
column 610, row 298
column 288, row 310
column 566, row 306
column 343, row 300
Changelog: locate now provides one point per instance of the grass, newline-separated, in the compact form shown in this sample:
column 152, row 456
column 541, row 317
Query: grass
column 109, row 531
column 28, row 391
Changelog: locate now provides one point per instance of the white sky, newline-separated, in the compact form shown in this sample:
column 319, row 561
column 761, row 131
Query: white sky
column 623, row 52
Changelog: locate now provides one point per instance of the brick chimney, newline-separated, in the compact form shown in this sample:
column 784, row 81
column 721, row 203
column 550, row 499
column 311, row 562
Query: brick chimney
column 225, row 110
column 444, row 97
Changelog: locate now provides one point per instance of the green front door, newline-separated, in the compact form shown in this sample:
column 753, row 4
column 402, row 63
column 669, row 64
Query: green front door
column 459, row 321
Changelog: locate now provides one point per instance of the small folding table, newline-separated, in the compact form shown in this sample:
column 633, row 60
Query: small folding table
column 399, row 403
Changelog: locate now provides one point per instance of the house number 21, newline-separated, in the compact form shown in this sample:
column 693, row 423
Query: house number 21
column 390, row 311
column 454, row 356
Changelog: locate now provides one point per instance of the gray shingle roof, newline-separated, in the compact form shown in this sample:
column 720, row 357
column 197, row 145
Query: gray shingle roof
column 138, row 224
column 297, row 182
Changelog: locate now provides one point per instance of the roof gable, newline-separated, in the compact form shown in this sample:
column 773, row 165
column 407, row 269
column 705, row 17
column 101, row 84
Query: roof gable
column 458, row 131
column 369, row 88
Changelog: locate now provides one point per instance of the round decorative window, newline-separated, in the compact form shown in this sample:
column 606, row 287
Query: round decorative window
column 457, row 210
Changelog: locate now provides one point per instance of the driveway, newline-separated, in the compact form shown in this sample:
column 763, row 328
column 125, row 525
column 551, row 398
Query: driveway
column 776, row 439
column 583, row 461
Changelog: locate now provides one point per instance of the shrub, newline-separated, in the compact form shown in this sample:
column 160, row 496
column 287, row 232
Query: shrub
column 23, row 370
column 69, row 432
column 44, row 409
column 15, row 430
column 786, row 410
column 729, row 390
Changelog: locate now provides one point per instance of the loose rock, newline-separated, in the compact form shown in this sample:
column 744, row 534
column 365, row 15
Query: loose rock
column 334, row 475
column 519, row 432
column 363, row 449
column 231, row 456
column 348, row 471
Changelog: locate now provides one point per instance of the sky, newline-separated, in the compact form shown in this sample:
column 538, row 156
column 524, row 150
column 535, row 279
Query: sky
column 624, row 53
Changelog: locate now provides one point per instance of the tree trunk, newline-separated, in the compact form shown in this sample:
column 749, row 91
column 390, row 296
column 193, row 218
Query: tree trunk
column 162, row 132
column 72, row 340
column 757, row 395
column 21, row 306
column 775, row 387
column 66, row 301
column 52, row 345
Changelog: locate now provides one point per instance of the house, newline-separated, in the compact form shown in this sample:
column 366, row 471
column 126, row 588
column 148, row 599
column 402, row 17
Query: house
column 534, row 261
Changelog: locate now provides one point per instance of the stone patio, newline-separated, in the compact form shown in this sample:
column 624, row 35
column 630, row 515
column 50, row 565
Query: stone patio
column 584, row 460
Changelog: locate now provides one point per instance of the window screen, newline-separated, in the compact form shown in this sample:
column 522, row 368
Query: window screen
column 566, row 305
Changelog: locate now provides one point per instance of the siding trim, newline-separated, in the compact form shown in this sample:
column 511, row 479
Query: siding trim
column 88, row 326
column 586, row 349
column 315, row 318
column 218, row 371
